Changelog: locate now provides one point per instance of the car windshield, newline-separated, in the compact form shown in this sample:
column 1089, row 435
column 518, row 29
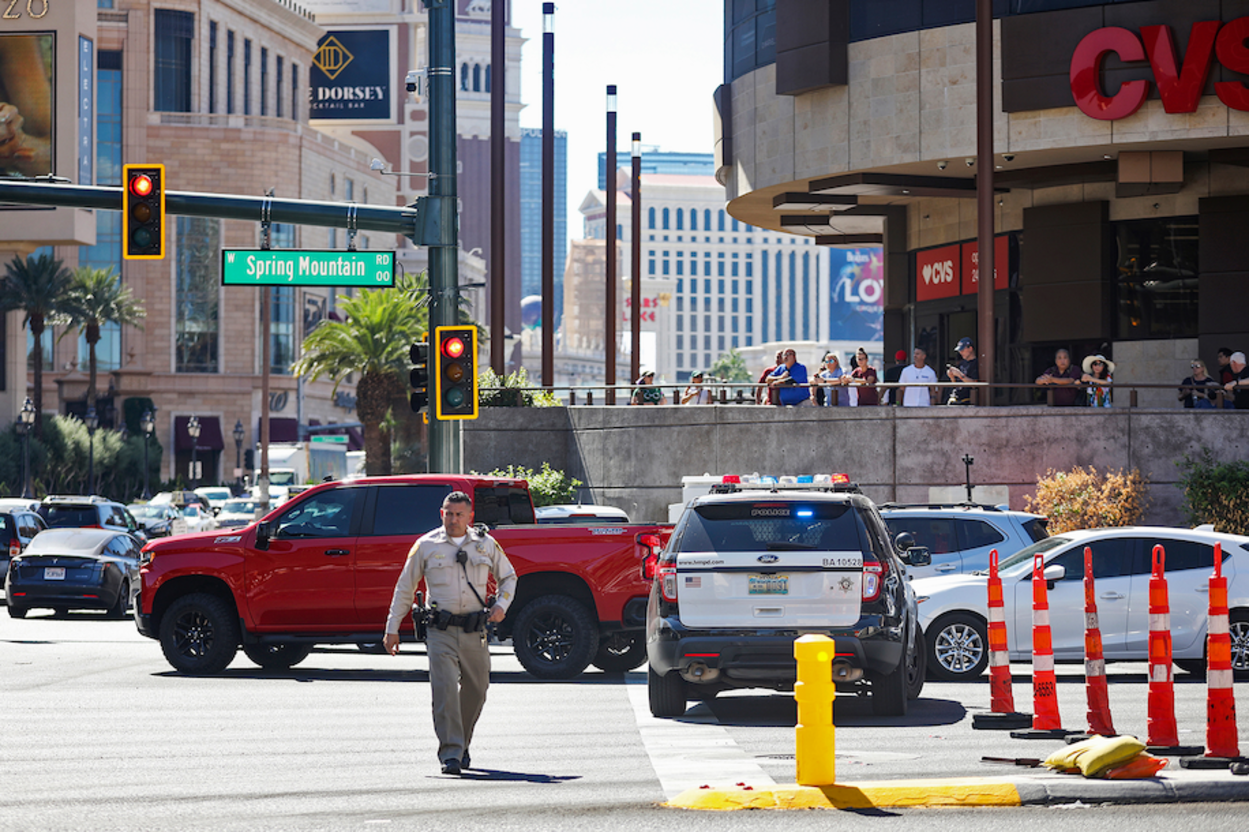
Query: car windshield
column 1021, row 561
column 239, row 507
column 773, row 526
column 148, row 512
column 190, row 511
column 215, row 493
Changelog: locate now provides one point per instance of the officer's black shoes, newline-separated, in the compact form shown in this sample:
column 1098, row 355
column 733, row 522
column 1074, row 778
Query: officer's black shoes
column 465, row 760
column 451, row 766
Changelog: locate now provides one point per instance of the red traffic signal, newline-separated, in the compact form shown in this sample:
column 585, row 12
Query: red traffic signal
column 143, row 212
column 453, row 347
column 141, row 185
column 455, row 379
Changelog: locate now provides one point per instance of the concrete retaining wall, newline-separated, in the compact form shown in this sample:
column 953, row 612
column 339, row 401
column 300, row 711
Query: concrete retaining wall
column 634, row 457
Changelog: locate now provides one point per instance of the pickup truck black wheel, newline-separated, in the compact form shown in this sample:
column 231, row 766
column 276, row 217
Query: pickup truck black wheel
column 958, row 647
column 17, row 612
column 277, row 656
column 620, row 652
column 555, row 637
column 118, row 610
column 916, row 666
column 889, row 692
column 199, row 634
column 667, row 693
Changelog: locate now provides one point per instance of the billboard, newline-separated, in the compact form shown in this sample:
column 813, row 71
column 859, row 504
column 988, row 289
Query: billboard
column 856, row 301
column 352, row 77
column 27, row 105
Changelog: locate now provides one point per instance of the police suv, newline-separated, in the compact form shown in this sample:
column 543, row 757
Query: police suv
column 750, row 568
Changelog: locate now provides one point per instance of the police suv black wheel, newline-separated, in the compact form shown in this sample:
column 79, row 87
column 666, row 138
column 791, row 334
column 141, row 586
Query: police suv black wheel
column 620, row 652
column 916, row 666
column 667, row 693
column 958, row 647
column 277, row 656
column 199, row 634
column 555, row 637
column 889, row 692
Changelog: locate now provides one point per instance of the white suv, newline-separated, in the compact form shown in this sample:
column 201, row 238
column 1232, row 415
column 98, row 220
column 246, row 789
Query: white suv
column 960, row 536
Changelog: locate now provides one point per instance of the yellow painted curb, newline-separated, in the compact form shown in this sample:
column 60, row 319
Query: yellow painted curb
column 969, row 791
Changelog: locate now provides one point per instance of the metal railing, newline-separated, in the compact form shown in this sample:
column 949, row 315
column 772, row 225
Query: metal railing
column 744, row 393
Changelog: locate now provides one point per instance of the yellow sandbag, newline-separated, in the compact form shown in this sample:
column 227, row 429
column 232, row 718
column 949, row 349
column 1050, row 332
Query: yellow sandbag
column 1065, row 758
column 1108, row 753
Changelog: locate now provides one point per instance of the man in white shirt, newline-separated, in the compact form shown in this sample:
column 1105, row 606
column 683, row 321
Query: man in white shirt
column 917, row 373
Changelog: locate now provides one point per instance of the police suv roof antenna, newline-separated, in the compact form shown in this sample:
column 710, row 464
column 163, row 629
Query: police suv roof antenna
column 968, row 460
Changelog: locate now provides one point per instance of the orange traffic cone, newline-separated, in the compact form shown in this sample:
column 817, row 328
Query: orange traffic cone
column 1046, row 723
column 1222, row 745
column 1094, row 660
column 1162, row 739
column 1001, row 693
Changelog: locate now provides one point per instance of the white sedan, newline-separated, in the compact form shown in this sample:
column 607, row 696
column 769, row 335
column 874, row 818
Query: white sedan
column 953, row 610
column 198, row 518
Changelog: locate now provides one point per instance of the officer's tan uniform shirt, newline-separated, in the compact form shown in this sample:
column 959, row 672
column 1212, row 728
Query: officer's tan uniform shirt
column 432, row 557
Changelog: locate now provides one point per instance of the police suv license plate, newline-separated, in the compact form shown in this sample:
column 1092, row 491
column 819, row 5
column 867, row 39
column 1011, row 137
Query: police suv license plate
column 54, row 573
column 768, row 584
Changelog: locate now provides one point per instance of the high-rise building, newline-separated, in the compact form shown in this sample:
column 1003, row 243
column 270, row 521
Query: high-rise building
column 660, row 161
column 531, row 214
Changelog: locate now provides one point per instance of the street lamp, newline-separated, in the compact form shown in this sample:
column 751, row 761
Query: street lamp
column 25, row 421
column 238, row 452
column 93, row 422
column 147, row 423
column 192, row 429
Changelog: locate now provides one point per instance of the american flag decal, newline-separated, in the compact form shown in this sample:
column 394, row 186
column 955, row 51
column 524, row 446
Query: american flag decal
column 693, row 582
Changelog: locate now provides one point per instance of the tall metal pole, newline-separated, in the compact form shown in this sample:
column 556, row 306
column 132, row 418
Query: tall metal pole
column 266, row 358
column 498, row 188
column 610, row 243
column 444, row 436
column 635, row 262
column 548, row 194
column 986, row 331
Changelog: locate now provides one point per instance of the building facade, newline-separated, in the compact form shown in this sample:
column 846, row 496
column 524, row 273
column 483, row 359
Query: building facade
column 531, row 214
column 1120, row 180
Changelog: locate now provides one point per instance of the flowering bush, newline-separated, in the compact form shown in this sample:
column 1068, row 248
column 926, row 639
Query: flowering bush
column 1080, row 499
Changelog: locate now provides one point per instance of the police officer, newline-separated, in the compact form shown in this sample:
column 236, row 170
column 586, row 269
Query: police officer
column 455, row 561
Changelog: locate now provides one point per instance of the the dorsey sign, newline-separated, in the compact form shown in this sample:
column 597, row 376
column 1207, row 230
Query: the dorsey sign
column 1180, row 84
column 351, row 78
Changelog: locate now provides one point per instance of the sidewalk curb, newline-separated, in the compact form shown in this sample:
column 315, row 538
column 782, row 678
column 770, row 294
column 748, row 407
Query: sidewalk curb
column 1045, row 790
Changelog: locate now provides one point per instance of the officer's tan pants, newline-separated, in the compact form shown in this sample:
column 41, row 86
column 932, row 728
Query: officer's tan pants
column 459, row 673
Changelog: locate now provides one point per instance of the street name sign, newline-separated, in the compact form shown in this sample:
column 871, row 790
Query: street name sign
column 335, row 439
column 305, row 267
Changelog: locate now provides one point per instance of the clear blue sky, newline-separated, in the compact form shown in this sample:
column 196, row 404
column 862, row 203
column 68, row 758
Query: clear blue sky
column 665, row 58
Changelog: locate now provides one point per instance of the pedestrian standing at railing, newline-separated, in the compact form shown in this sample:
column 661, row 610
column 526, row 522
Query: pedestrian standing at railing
column 918, row 373
column 697, row 392
column 1200, row 399
column 790, row 381
column 1063, row 376
column 861, row 384
column 767, row 395
column 890, row 396
column 968, row 369
column 1224, row 373
column 830, row 381
column 647, row 392
column 1098, row 375
column 1239, row 385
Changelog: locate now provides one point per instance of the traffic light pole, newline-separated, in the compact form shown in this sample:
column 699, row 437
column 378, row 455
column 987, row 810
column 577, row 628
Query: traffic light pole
column 445, row 455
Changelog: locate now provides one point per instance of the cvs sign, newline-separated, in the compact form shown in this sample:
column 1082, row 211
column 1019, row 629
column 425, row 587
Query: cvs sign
column 937, row 273
column 1179, row 84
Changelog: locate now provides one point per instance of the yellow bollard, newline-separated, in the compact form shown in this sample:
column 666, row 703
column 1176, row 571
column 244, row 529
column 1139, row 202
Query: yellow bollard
column 814, row 741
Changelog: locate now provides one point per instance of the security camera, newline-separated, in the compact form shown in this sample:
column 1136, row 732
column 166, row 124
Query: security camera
column 377, row 164
column 969, row 161
column 1010, row 157
column 942, row 165
column 410, row 80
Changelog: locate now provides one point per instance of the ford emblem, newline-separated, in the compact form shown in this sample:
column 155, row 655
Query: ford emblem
column 768, row 558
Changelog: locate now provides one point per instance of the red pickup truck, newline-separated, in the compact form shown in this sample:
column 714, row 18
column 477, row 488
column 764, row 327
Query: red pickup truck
column 321, row 568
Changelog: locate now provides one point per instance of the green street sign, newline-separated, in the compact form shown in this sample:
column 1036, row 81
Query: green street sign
column 302, row 267
column 337, row 439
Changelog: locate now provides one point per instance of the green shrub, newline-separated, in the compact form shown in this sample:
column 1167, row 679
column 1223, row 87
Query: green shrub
column 547, row 487
column 508, row 392
column 1215, row 492
column 1080, row 499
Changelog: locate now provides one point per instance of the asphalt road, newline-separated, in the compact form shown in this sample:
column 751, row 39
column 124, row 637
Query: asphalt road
column 98, row 733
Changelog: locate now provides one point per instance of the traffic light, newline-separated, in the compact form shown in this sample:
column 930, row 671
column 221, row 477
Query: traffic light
column 143, row 214
column 419, row 354
column 455, row 385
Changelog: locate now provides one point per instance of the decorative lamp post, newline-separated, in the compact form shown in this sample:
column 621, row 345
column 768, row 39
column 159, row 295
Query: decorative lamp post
column 93, row 422
column 193, row 429
column 26, row 421
column 238, row 452
column 147, row 423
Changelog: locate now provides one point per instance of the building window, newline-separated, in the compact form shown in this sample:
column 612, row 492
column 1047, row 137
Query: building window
column 1155, row 278
column 463, row 77
column 212, row 66
column 707, row 328
column 721, row 221
column 264, row 81
column 665, row 219
column 720, row 286
column 665, row 267
column 650, row 266
column 229, row 72
column 476, row 77
column 277, row 88
column 680, row 265
column 488, row 77
column 294, row 92
column 171, row 66
column 733, row 321
column 680, row 323
column 707, row 287
column 680, row 286
column 680, row 342
column 650, row 216
column 720, row 343
column 806, row 297
column 282, row 311
column 735, row 225
column 780, row 262
column 750, row 304
column 734, row 307
column 707, row 345
column 793, row 294
column 197, row 295
column 693, row 219
column 720, row 325
column 680, row 220
column 720, row 304
column 247, row 77
column 750, row 265
column 680, row 304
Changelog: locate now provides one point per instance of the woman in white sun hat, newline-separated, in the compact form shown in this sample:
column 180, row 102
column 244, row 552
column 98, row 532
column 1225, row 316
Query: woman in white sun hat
column 1098, row 370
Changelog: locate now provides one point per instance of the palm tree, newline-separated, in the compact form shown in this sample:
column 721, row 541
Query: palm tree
column 40, row 287
column 96, row 298
column 373, row 340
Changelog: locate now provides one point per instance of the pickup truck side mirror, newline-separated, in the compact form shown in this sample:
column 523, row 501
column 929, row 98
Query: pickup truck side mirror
column 917, row 556
column 264, row 532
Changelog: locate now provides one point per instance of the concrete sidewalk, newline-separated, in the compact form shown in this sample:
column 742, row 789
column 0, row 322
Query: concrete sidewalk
column 1038, row 787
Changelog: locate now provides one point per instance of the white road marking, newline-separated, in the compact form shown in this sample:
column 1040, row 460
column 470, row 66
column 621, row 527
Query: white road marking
column 692, row 751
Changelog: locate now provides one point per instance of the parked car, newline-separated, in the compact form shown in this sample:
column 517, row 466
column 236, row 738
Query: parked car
column 216, row 496
column 17, row 528
column 576, row 514
column 748, row 568
column 24, row 503
column 198, row 518
column 953, row 610
column 159, row 520
column 73, row 569
column 70, row 512
column 240, row 511
column 960, row 536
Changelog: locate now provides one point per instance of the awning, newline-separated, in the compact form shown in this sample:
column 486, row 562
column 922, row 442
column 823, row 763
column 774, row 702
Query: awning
column 281, row 429
column 209, row 434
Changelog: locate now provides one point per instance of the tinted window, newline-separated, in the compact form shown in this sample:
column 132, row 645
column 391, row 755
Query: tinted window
column 327, row 514
column 752, row 527
column 934, row 533
column 977, row 533
column 7, row 528
column 410, row 510
column 1184, row 554
column 1112, row 558
column 501, row 505
column 1036, row 528
column 72, row 517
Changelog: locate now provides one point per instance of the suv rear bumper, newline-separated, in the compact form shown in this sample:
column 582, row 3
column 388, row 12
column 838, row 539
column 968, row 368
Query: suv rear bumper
column 766, row 658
